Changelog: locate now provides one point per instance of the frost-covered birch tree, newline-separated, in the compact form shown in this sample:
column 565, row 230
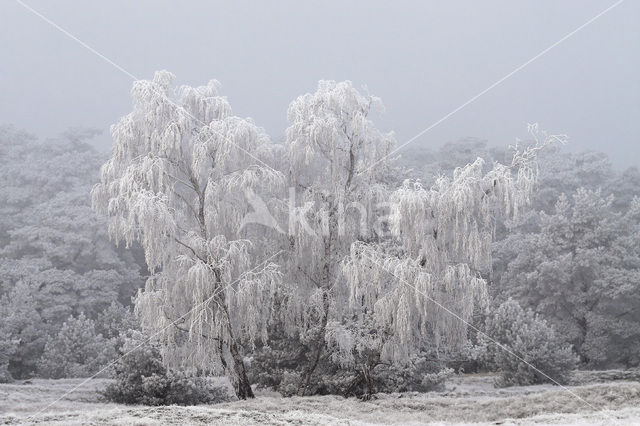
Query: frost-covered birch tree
column 176, row 182
column 332, row 144
column 420, row 292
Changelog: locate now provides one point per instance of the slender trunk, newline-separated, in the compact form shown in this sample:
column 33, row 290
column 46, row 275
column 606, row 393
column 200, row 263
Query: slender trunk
column 241, row 384
column 240, row 381
column 368, row 382
column 582, row 323
column 242, row 387
column 318, row 343
column 368, row 373
column 318, row 346
column 363, row 378
column 351, row 389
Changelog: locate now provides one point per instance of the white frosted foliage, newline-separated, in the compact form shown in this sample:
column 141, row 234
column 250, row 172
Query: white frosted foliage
column 176, row 183
column 332, row 143
column 421, row 290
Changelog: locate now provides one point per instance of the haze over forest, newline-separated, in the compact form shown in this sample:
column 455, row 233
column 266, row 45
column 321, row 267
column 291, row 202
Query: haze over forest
column 424, row 59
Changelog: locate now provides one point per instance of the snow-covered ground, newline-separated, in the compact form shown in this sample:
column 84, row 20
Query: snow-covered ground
column 467, row 399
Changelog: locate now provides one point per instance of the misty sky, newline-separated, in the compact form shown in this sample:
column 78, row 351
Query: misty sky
column 423, row 58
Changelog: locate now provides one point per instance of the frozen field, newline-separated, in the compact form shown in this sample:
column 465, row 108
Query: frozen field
column 468, row 399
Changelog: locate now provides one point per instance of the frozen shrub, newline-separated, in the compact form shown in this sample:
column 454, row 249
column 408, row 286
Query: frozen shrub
column 420, row 374
column 369, row 375
column 278, row 367
column 141, row 378
column 470, row 357
column 76, row 351
column 531, row 339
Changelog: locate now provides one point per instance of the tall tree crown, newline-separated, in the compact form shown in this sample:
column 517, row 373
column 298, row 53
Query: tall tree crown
column 176, row 182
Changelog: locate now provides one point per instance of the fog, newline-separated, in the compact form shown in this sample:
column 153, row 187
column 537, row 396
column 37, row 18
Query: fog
column 424, row 59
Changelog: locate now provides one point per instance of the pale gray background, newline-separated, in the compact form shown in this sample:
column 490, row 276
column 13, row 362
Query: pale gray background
column 423, row 58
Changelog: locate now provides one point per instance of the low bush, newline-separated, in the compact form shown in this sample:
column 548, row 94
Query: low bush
column 141, row 378
column 418, row 375
column 279, row 367
column 530, row 338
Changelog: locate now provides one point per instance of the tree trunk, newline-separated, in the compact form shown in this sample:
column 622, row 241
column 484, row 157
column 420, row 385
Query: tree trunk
column 241, row 384
column 363, row 378
column 317, row 345
column 351, row 389
column 368, row 383
column 242, row 387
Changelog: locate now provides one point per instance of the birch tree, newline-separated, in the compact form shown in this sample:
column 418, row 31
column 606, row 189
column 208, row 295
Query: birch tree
column 421, row 292
column 332, row 144
column 176, row 182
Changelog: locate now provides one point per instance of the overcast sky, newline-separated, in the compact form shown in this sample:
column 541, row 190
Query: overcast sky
column 423, row 58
